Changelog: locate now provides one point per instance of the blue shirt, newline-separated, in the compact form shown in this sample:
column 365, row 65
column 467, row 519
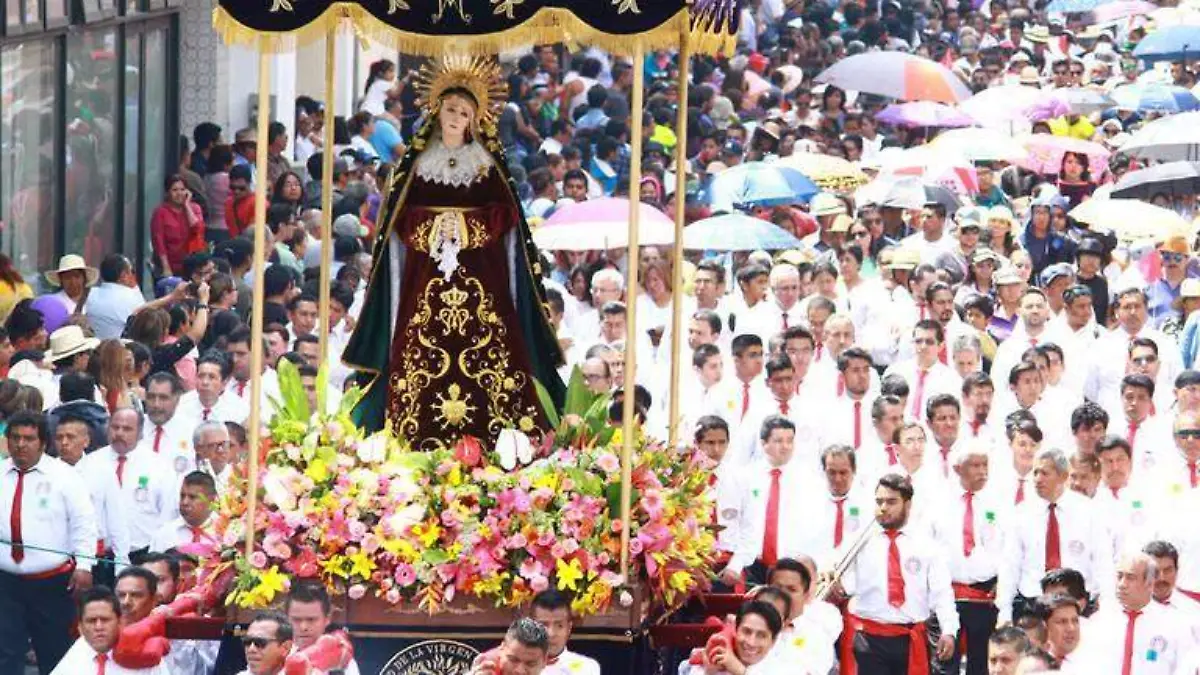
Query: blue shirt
column 386, row 137
column 1159, row 298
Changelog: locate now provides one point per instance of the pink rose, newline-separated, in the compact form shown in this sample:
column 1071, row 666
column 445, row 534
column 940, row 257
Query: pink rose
column 357, row 591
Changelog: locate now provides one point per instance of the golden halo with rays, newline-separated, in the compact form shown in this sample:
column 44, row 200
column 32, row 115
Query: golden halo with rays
column 476, row 74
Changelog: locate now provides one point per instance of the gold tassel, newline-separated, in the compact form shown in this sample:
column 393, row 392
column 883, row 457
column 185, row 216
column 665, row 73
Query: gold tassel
column 548, row 26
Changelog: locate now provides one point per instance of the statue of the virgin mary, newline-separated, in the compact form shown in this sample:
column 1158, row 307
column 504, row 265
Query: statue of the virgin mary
column 454, row 329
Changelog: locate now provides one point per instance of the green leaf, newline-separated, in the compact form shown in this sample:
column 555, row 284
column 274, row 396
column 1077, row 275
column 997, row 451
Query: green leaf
column 547, row 402
column 322, row 384
column 612, row 494
column 579, row 397
column 596, row 417
column 295, row 401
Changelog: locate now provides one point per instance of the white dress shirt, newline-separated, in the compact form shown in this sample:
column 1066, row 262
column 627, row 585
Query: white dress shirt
column 80, row 659
column 819, row 527
column 1185, row 536
column 1084, row 545
column 175, row 444
column 1158, row 640
column 927, row 588
column 1153, row 437
column 1172, row 472
column 939, row 379
column 1132, row 515
column 112, row 525
column 149, row 491
column 755, row 491
column 56, row 514
column 239, row 392
column 950, row 531
column 838, row 417
column 570, row 663
column 1111, row 353
column 804, row 645
column 177, row 533
column 226, row 409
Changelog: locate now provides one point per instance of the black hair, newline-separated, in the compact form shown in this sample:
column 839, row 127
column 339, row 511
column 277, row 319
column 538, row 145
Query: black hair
column 310, row 591
column 793, row 565
column 1071, row 579
column 1114, row 442
column 1137, row 380
column 1088, row 414
column 708, row 423
column 283, row 626
column 764, row 610
column 141, row 573
column 774, row 422
column 28, row 418
column 898, row 483
column 99, row 594
column 162, row 557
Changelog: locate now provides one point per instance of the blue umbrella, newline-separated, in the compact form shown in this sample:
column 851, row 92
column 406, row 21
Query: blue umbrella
column 736, row 232
column 1156, row 98
column 1175, row 43
column 759, row 184
column 1073, row 6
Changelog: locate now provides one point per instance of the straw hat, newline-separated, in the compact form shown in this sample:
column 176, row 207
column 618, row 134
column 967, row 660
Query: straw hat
column 1188, row 290
column 795, row 257
column 825, row 204
column 984, row 254
column 1029, row 75
column 904, row 259
column 1038, row 34
column 69, row 341
column 1003, row 214
column 841, row 223
column 1176, row 244
column 70, row 263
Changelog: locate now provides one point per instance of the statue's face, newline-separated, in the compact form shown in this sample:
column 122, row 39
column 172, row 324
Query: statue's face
column 456, row 116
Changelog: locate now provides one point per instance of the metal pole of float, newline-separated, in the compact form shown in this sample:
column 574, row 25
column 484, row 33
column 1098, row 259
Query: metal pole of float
column 254, row 432
column 681, row 127
column 629, row 427
column 327, row 195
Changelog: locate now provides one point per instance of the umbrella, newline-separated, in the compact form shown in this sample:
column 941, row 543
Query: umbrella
column 1173, row 178
column 907, row 192
column 1175, row 43
column 601, row 224
column 759, row 184
column 980, row 145
column 924, row 114
column 1166, row 98
column 1073, row 6
column 737, row 232
column 1084, row 100
column 1006, row 107
column 1046, row 153
column 932, row 165
column 1168, row 138
column 1130, row 219
column 896, row 75
column 827, row 171
column 1111, row 12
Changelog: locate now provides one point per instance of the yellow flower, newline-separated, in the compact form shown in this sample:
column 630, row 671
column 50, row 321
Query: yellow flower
column 362, row 565
column 568, row 574
column 493, row 585
column 548, row 480
column 334, row 565
column 455, row 478
column 428, row 533
column 270, row 583
column 680, row 581
column 400, row 548
column 317, row 471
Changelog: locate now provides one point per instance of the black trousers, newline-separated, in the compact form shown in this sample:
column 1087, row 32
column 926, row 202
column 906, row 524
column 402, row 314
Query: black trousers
column 40, row 611
column 877, row 655
column 977, row 620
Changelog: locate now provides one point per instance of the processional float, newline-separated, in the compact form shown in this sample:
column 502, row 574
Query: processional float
column 439, row 28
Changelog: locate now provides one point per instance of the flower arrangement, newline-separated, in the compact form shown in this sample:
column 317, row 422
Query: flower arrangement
column 368, row 515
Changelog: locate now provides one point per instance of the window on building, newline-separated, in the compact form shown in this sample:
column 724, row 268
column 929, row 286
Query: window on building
column 90, row 201
column 28, row 145
column 159, row 146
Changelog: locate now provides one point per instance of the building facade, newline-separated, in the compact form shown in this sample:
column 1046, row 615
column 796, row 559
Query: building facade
column 88, row 114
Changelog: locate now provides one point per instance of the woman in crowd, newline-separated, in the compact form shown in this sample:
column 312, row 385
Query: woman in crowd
column 177, row 222
column 13, row 288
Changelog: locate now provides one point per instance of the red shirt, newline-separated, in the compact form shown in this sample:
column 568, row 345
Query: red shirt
column 239, row 214
column 170, row 232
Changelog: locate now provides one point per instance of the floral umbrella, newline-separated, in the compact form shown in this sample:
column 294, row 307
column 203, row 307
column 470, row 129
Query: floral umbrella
column 1046, row 153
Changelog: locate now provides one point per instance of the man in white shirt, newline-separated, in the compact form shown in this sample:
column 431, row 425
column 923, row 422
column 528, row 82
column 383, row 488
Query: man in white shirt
column 310, row 612
column 208, row 400
column 49, row 535
column 1130, row 507
column 1055, row 530
column 706, row 396
column 847, row 418
column 1166, row 563
column 607, row 286
column 237, row 345
column 1111, row 351
column 197, row 497
column 931, row 241
column 552, row 609
column 268, row 642
column 898, row 580
column 879, row 452
column 148, row 486
column 214, row 452
column 782, row 402
column 168, row 435
column 838, row 513
column 1031, row 330
column 978, row 392
column 523, row 651
column 746, row 385
column 757, row 629
column 943, row 415
column 1063, row 618
column 1147, row 433
column 1134, row 634
column 804, row 643
column 71, row 438
column 99, row 628
column 111, row 302
column 968, row 528
column 925, row 375
column 785, row 287
column 1179, row 470
column 1005, row 648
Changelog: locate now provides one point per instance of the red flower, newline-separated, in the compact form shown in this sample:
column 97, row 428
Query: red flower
column 468, row 451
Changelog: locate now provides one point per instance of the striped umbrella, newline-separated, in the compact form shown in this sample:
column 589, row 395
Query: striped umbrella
column 896, row 75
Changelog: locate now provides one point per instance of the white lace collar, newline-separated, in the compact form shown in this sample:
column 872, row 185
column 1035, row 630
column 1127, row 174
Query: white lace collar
column 457, row 167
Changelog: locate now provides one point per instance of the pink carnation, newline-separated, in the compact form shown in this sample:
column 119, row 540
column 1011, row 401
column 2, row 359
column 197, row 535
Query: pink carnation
column 357, row 591
column 258, row 560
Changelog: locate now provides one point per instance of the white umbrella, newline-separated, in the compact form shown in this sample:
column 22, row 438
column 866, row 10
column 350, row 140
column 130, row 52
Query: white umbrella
column 980, row 145
column 602, row 224
column 1167, row 139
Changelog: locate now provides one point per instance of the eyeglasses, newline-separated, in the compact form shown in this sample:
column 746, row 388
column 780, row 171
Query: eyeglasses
column 1188, row 433
column 1076, row 292
column 256, row 642
column 1145, row 360
column 860, row 234
column 1168, row 256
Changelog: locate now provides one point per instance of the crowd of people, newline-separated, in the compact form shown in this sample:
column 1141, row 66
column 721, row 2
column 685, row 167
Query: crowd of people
column 1009, row 395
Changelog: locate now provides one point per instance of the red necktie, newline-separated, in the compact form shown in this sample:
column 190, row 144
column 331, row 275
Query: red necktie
column 895, row 578
column 770, row 549
column 785, row 321
column 858, row 426
column 241, row 389
column 891, row 451
column 1053, row 554
column 1020, row 491
column 1127, row 657
column 945, row 461
column 197, row 534
column 841, row 385
column 819, row 348
column 745, row 398
column 1032, row 342
column 121, row 470
column 14, row 521
column 783, row 408
column 158, row 434
column 943, row 356
column 101, row 663
column 1132, row 434
column 975, row 424
column 1192, row 472
column 969, row 524
column 1116, row 492
column 923, row 312
column 205, row 414
column 919, row 393
column 839, row 523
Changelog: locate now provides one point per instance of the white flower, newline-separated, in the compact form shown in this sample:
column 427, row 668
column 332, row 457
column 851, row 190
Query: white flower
column 401, row 520
column 372, row 450
column 506, row 447
column 275, row 485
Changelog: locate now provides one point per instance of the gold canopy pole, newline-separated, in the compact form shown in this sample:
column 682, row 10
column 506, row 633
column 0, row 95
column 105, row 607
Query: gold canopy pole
column 629, row 428
column 256, row 312
column 327, row 194
column 681, row 126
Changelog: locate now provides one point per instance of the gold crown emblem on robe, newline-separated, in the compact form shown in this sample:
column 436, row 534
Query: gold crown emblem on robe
column 476, row 74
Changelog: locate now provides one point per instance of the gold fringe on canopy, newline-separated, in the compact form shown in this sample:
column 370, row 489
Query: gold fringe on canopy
column 547, row 26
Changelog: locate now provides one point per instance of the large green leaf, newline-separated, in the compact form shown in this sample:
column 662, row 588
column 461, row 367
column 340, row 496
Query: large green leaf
column 547, row 402
column 612, row 494
column 295, row 401
column 579, row 397
column 322, row 385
